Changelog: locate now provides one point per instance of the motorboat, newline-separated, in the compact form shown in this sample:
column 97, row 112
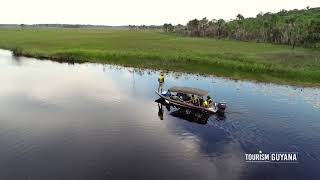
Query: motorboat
column 181, row 97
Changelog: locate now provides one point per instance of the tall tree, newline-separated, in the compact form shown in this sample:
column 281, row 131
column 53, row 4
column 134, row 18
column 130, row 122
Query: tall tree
column 221, row 27
column 203, row 25
column 193, row 27
column 240, row 29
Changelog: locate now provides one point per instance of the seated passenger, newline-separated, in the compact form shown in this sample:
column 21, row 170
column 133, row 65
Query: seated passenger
column 200, row 101
column 194, row 100
column 210, row 101
column 185, row 97
column 205, row 104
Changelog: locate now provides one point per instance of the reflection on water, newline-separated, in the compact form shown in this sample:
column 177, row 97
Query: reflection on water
column 185, row 114
column 91, row 121
column 197, row 118
column 160, row 111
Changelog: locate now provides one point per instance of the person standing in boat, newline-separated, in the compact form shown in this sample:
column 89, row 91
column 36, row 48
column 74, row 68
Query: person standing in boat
column 161, row 82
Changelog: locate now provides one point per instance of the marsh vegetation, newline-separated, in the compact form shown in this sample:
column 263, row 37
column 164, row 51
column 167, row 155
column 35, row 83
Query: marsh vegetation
column 167, row 51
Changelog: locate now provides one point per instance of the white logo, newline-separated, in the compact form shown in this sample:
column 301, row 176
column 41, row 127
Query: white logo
column 274, row 157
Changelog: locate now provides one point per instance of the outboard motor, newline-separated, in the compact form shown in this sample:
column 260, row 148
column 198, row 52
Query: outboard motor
column 222, row 107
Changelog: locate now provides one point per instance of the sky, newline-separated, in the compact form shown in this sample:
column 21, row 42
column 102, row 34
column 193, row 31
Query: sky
column 136, row 12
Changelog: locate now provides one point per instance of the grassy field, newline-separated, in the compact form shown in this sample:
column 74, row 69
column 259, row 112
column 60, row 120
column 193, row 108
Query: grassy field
column 150, row 49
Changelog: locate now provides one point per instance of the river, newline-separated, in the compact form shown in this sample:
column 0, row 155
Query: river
column 92, row 121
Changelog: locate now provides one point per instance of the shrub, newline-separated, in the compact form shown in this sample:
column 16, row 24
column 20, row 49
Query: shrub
column 17, row 51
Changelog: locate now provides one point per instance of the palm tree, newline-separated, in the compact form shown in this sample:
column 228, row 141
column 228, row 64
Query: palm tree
column 203, row 23
column 220, row 24
column 239, row 17
column 193, row 27
column 240, row 30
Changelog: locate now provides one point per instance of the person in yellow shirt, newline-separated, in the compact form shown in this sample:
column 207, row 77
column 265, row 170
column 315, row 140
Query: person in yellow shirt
column 161, row 81
column 205, row 104
column 194, row 100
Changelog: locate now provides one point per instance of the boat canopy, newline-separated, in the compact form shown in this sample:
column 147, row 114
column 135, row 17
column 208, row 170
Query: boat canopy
column 189, row 90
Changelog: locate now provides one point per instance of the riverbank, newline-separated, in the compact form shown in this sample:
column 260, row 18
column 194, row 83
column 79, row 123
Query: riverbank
column 150, row 49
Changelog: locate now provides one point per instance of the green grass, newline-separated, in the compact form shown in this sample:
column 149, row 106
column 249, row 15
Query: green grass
column 151, row 49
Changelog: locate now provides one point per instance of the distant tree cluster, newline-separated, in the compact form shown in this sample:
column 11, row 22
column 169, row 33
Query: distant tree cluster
column 168, row 28
column 54, row 26
column 143, row 27
column 295, row 28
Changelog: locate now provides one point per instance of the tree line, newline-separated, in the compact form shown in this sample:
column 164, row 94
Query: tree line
column 294, row 27
column 143, row 27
